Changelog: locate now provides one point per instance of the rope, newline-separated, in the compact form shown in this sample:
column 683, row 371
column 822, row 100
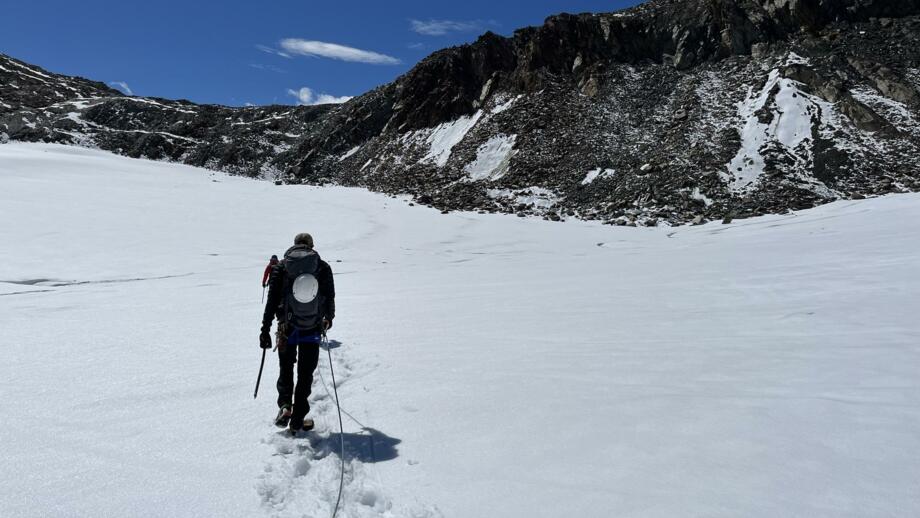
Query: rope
column 338, row 500
column 322, row 380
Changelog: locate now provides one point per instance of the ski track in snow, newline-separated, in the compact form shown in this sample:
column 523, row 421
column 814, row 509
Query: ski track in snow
column 762, row 369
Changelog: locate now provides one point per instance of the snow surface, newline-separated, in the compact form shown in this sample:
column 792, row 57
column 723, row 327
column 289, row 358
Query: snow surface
column 696, row 194
column 493, row 158
column 349, row 153
column 489, row 365
column 794, row 59
column 594, row 174
column 506, row 105
column 790, row 126
column 794, row 116
column 534, row 196
column 444, row 137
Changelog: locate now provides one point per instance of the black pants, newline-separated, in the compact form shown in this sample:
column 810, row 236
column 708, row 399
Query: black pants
column 306, row 364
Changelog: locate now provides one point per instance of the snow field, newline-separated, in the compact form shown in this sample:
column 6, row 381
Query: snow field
column 489, row 365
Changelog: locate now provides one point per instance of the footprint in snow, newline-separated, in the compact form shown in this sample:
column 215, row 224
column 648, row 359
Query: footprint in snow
column 301, row 476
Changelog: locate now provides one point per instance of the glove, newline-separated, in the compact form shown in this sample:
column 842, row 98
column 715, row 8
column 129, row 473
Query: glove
column 327, row 324
column 265, row 339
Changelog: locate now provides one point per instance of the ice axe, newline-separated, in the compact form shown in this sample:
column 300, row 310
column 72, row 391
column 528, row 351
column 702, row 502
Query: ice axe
column 255, row 394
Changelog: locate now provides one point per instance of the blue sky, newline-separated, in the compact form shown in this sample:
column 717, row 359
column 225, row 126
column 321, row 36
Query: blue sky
column 236, row 52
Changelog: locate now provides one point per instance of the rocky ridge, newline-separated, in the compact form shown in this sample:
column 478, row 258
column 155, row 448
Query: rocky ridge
column 36, row 105
column 673, row 111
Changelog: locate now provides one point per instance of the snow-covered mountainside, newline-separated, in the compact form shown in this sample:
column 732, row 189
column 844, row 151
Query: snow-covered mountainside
column 489, row 366
column 668, row 112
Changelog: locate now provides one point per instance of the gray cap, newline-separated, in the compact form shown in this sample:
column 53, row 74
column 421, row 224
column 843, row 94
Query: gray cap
column 304, row 239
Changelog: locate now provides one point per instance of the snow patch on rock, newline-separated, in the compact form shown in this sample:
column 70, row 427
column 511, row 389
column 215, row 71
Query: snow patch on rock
column 445, row 136
column 175, row 106
column 792, row 114
column 349, row 153
column 535, row 197
column 794, row 59
column 699, row 196
column 594, row 174
column 505, row 105
column 605, row 26
column 493, row 159
column 29, row 72
column 895, row 112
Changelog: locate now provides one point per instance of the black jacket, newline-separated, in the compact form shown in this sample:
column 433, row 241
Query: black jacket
column 276, row 287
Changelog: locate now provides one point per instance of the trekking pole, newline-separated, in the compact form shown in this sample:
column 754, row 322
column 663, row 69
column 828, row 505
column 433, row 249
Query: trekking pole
column 263, row 294
column 259, row 379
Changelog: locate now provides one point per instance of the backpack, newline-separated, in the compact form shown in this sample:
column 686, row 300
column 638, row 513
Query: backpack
column 302, row 300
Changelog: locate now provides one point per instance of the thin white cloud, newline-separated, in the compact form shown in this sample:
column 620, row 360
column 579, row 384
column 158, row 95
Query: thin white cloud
column 123, row 86
column 268, row 50
column 272, row 68
column 416, row 46
column 306, row 96
column 443, row 27
column 320, row 49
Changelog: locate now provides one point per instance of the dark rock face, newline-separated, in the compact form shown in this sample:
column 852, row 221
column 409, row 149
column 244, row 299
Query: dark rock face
column 673, row 111
column 36, row 105
column 26, row 86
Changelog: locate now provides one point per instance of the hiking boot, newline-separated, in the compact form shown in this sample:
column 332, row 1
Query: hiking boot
column 284, row 416
column 306, row 425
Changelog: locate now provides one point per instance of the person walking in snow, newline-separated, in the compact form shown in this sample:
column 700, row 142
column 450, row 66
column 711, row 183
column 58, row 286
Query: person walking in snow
column 268, row 270
column 301, row 294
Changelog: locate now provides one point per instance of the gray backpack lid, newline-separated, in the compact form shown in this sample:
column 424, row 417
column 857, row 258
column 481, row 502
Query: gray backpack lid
column 302, row 300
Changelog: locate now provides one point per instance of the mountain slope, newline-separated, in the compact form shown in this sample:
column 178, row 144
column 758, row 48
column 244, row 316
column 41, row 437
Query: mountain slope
column 670, row 111
column 36, row 105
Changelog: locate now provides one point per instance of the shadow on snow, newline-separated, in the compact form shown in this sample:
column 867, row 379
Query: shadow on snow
column 367, row 446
